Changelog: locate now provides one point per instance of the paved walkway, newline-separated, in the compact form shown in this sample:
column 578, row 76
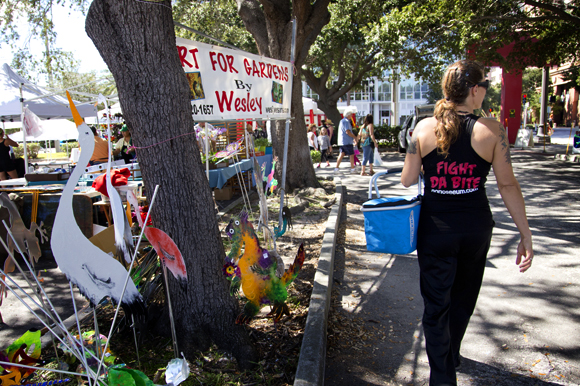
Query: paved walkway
column 525, row 327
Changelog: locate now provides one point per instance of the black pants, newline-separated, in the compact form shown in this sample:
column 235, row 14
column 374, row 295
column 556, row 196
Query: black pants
column 452, row 268
column 323, row 155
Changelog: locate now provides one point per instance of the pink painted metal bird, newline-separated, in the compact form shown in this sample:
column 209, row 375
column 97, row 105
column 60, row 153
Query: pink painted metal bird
column 270, row 181
column 164, row 245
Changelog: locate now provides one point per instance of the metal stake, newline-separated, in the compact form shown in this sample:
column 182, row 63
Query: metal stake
column 135, row 337
column 173, row 335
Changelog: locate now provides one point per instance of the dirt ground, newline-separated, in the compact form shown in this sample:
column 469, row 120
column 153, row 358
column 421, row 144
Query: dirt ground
column 278, row 344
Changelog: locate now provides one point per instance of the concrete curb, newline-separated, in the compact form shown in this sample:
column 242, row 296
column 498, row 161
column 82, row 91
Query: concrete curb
column 575, row 158
column 311, row 363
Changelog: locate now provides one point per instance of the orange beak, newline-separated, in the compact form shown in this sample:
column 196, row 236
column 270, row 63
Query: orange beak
column 77, row 117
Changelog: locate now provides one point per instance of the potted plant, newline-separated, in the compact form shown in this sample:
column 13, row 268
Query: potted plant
column 210, row 158
column 221, row 163
column 260, row 145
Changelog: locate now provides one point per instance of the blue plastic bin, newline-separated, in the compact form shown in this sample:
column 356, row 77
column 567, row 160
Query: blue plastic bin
column 391, row 222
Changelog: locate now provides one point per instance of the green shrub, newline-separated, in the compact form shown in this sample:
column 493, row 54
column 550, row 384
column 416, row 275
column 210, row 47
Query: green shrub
column 31, row 150
column 315, row 155
column 262, row 142
column 211, row 156
column 387, row 135
column 68, row 146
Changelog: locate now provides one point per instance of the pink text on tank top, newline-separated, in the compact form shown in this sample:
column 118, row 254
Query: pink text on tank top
column 460, row 173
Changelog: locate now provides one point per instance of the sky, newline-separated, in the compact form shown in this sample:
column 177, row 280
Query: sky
column 71, row 36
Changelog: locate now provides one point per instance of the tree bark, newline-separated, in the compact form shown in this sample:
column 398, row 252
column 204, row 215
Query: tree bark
column 137, row 41
column 274, row 39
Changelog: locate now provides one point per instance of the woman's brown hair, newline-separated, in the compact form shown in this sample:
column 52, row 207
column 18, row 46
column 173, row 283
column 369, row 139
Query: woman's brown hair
column 458, row 79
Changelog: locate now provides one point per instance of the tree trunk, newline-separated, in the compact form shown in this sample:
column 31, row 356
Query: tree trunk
column 137, row 41
column 330, row 108
column 274, row 40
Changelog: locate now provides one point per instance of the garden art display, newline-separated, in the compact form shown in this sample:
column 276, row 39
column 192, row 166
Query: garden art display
column 253, row 267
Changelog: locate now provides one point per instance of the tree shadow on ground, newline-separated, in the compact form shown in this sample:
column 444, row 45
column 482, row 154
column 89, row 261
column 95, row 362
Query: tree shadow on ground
column 522, row 332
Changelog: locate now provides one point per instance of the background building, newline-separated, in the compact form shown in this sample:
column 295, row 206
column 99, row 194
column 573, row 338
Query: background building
column 389, row 102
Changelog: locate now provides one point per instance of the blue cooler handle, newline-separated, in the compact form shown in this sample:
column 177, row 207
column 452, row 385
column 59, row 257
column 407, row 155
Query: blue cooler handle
column 374, row 178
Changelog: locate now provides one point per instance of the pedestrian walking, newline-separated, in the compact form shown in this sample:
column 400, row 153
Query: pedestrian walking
column 312, row 142
column 456, row 150
column 366, row 137
column 330, row 128
column 346, row 141
column 324, row 146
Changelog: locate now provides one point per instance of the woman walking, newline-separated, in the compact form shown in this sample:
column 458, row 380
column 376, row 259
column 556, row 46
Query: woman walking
column 312, row 141
column 456, row 150
column 366, row 137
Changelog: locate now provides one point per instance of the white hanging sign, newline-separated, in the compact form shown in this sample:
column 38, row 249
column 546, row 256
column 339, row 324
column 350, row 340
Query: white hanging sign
column 229, row 84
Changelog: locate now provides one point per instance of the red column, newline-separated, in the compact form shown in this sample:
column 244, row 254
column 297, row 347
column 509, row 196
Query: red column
column 511, row 102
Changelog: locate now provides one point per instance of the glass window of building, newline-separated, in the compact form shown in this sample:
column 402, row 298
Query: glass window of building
column 409, row 90
column 310, row 93
column 424, row 90
column 417, row 93
column 384, row 91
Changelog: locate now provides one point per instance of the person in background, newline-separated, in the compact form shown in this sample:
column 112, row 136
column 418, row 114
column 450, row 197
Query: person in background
column 101, row 151
column 124, row 147
column 323, row 126
column 366, row 137
column 324, row 143
column 7, row 164
column 330, row 127
column 456, row 150
column 346, row 141
column 312, row 141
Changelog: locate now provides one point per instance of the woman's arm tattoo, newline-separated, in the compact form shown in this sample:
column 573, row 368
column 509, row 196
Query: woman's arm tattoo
column 505, row 145
column 412, row 147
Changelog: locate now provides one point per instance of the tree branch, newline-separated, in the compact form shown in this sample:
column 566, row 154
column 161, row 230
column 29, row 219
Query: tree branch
column 559, row 11
column 253, row 18
column 519, row 19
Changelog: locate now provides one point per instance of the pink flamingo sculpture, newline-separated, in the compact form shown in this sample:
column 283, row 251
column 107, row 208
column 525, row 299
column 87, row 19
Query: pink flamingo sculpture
column 165, row 247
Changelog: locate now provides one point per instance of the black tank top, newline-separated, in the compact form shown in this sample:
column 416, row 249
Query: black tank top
column 4, row 151
column 455, row 200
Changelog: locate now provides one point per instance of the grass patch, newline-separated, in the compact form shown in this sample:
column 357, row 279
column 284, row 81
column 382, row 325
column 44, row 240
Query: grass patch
column 45, row 156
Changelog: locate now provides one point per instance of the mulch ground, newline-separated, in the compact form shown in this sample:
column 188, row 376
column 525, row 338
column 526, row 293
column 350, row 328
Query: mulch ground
column 278, row 345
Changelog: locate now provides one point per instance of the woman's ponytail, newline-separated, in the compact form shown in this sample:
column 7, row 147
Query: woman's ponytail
column 448, row 122
column 456, row 83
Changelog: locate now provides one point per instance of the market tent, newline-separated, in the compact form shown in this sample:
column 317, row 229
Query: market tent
column 54, row 129
column 310, row 104
column 44, row 104
column 102, row 115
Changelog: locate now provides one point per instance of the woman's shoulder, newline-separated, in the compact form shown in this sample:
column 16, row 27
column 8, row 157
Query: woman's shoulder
column 427, row 122
column 490, row 126
column 426, row 125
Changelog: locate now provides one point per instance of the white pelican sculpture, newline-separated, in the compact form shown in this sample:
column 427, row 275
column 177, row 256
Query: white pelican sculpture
column 95, row 273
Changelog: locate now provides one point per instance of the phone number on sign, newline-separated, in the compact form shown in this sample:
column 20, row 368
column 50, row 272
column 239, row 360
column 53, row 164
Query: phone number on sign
column 202, row 109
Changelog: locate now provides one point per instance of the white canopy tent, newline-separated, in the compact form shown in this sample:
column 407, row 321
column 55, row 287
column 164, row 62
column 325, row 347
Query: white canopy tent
column 17, row 92
column 53, row 130
column 102, row 114
column 310, row 104
column 44, row 104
